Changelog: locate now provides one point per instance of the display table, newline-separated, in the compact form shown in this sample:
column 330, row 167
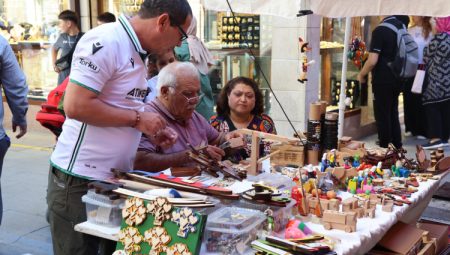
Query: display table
column 368, row 231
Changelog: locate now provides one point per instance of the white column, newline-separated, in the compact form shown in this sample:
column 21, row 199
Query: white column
column 286, row 68
column 84, row 15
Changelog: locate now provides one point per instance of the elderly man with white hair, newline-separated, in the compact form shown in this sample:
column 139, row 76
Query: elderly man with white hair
column 179, row 93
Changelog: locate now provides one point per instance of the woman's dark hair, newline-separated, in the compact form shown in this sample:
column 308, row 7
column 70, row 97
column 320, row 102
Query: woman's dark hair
column 223, row 109
column 178, row 10
column 426, row 26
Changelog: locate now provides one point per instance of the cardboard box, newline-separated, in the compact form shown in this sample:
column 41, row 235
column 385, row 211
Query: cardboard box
column 436, row 231
column 402, row 239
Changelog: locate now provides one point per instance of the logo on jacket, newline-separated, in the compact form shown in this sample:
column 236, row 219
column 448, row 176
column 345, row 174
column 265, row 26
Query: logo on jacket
column 96, row 47
column 84, row 63
column 137, row 94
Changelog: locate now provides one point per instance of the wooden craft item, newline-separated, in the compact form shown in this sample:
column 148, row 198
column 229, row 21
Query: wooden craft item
column 287, row 154
column 157, row 238
column 163, row 180
column 161, row 209
column 164, row 239
column 186, row 221
column 339, row 220
column 134, row 211
column 315, row 111
column 442, row 165
column 115, row 190
column 213, row 166
column 178, row 249
column 131, row 239
column 264, row 195
column 185, row 171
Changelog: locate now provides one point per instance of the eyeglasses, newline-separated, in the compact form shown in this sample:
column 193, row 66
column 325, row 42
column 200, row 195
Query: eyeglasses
column 184, row 36
column 192, row 99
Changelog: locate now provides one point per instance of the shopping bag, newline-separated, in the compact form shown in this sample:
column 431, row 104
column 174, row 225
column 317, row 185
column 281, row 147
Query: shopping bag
column 418, row 82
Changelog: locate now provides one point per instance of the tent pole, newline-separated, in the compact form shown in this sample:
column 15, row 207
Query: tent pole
column 342, row 94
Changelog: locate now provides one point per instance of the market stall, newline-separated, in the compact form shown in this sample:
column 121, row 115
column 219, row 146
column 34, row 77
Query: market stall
column 343, row 205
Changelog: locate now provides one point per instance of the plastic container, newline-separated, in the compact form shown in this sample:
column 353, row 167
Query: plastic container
column 101, row 210
column 230, row 230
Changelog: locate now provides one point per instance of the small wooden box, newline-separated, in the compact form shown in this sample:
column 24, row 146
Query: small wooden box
column 289, row 155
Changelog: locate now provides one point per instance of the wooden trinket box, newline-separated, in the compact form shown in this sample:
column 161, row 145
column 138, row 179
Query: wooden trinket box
column 287, row 155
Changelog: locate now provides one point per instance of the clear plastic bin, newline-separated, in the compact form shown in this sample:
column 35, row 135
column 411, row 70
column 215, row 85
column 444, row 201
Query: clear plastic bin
column 101, row 210
column 230, row 230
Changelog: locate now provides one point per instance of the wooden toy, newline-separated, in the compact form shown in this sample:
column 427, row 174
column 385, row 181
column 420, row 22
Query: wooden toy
column 387, row 205
column 339, row 220
column 256, row 138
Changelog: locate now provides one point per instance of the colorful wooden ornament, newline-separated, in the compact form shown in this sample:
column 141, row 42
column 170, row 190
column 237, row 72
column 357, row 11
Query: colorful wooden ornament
column 160, row 208
column 157, row 238
column 186, row 220
column 178, row 249
column 134, row 211
column 131, row 239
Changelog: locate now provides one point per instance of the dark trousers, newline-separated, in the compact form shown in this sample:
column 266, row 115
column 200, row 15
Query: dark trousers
column 415, row 119
column 4, row 145
column 385, row 106
column 65, row 210
column 438, row 119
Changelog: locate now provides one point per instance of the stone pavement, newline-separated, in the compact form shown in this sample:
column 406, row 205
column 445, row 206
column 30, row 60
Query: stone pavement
column 24, row 229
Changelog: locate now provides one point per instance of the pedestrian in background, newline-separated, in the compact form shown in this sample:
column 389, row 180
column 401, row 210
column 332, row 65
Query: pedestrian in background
column 15, row 89
column 436, row 94
column 195, row 51
column 385, row 86
column 415, row 119
column 62, row 50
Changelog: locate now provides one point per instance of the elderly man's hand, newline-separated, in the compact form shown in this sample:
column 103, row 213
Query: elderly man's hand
column 154, row 127
column 165, row 137
column 215, row 152
column 150, row 123
column 233, row 134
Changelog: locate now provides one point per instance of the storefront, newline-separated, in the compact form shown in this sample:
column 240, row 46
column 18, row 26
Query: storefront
column 31, row 26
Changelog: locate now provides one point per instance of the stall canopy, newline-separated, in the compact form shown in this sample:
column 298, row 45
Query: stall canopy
column 282, row 8
column 354, row 8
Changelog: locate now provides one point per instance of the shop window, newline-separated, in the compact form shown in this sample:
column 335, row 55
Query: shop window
column 31, row 27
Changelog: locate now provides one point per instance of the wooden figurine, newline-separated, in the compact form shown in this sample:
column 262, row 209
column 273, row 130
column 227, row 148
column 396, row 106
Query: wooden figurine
column 339, row 220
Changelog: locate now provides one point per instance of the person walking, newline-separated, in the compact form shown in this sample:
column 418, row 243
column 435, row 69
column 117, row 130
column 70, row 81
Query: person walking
column 62, row 50
column 104, row 105
column 15, row 88
column 385, row 86
column 436, row 94
column 415, row 120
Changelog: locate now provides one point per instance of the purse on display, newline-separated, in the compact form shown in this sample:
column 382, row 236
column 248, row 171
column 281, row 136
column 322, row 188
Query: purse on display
column 418, row 82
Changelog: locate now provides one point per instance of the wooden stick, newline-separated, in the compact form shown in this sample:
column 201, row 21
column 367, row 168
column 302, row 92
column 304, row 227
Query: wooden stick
column 173, row 201
column 267, row 136
column 254, row 155
column 268, row 156
column 145, row 186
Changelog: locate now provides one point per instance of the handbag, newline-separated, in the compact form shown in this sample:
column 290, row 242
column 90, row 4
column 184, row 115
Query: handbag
column 418, row 82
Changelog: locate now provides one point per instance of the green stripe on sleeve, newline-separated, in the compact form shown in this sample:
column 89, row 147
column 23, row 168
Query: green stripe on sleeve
column 84, row 86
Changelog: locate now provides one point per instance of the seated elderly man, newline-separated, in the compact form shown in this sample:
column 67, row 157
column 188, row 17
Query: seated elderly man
column 178, row 90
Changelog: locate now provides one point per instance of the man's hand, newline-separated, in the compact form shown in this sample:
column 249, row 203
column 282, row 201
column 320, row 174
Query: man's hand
column 150, row 123
column 165, row 138
column 56, row 69
column 22, row 132
column 215, row 152
column 361, row 78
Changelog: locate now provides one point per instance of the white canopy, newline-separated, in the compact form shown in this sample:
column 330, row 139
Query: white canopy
column 283, row 8
column 354, row 8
